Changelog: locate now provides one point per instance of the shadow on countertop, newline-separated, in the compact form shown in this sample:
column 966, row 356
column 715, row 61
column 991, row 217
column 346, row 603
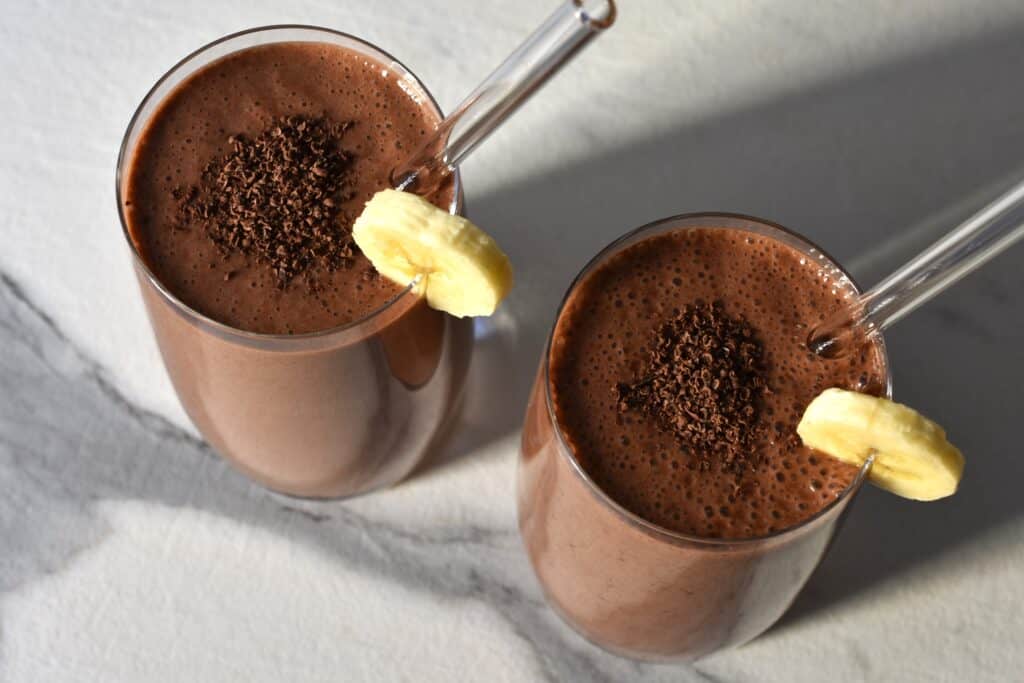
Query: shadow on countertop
column 873, row 167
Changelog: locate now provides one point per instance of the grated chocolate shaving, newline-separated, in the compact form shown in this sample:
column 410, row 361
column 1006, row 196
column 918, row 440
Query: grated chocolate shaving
column 704, row 383
column 276, row 198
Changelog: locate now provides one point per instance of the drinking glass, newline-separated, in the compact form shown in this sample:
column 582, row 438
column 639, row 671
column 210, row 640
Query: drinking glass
column 635, row 588
column 329, row 414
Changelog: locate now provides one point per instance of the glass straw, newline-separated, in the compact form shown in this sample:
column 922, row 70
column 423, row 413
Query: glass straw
column 550, row 47
column 975, row 242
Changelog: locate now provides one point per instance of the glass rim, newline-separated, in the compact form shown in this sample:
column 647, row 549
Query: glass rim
column 565, row 451
column 222, row 329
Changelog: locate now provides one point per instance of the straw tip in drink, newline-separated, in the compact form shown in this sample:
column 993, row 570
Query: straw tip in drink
column 823, row 345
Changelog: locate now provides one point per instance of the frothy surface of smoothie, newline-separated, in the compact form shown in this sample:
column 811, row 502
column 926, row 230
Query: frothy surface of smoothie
column 245, row 93
column 603, row 338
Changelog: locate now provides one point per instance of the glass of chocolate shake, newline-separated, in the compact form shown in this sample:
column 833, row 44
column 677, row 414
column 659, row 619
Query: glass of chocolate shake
column 237, row 183
column 665, row 501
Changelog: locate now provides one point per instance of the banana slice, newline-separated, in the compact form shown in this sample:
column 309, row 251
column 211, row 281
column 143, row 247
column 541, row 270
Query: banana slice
column 461, row 269
column 913, row 459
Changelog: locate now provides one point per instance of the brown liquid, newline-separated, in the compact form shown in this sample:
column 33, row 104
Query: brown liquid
column 330, row 416
column 613, row 317
column 644, row 592
column 244, row 93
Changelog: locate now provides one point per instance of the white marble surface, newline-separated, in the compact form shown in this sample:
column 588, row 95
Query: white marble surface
column 130, row 552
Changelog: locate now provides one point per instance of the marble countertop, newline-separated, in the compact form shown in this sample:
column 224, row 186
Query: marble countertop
column 130, row 552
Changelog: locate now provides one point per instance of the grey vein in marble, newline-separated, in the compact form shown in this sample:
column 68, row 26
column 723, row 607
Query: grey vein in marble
column 69, row 438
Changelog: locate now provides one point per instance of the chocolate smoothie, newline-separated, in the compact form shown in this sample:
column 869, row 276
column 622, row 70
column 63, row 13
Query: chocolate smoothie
column 250, row 105
column 294, row 358
column 677, row 375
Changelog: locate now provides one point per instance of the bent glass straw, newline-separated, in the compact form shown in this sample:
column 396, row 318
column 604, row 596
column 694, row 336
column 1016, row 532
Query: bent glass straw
column 550, row 47
column 975, row 242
